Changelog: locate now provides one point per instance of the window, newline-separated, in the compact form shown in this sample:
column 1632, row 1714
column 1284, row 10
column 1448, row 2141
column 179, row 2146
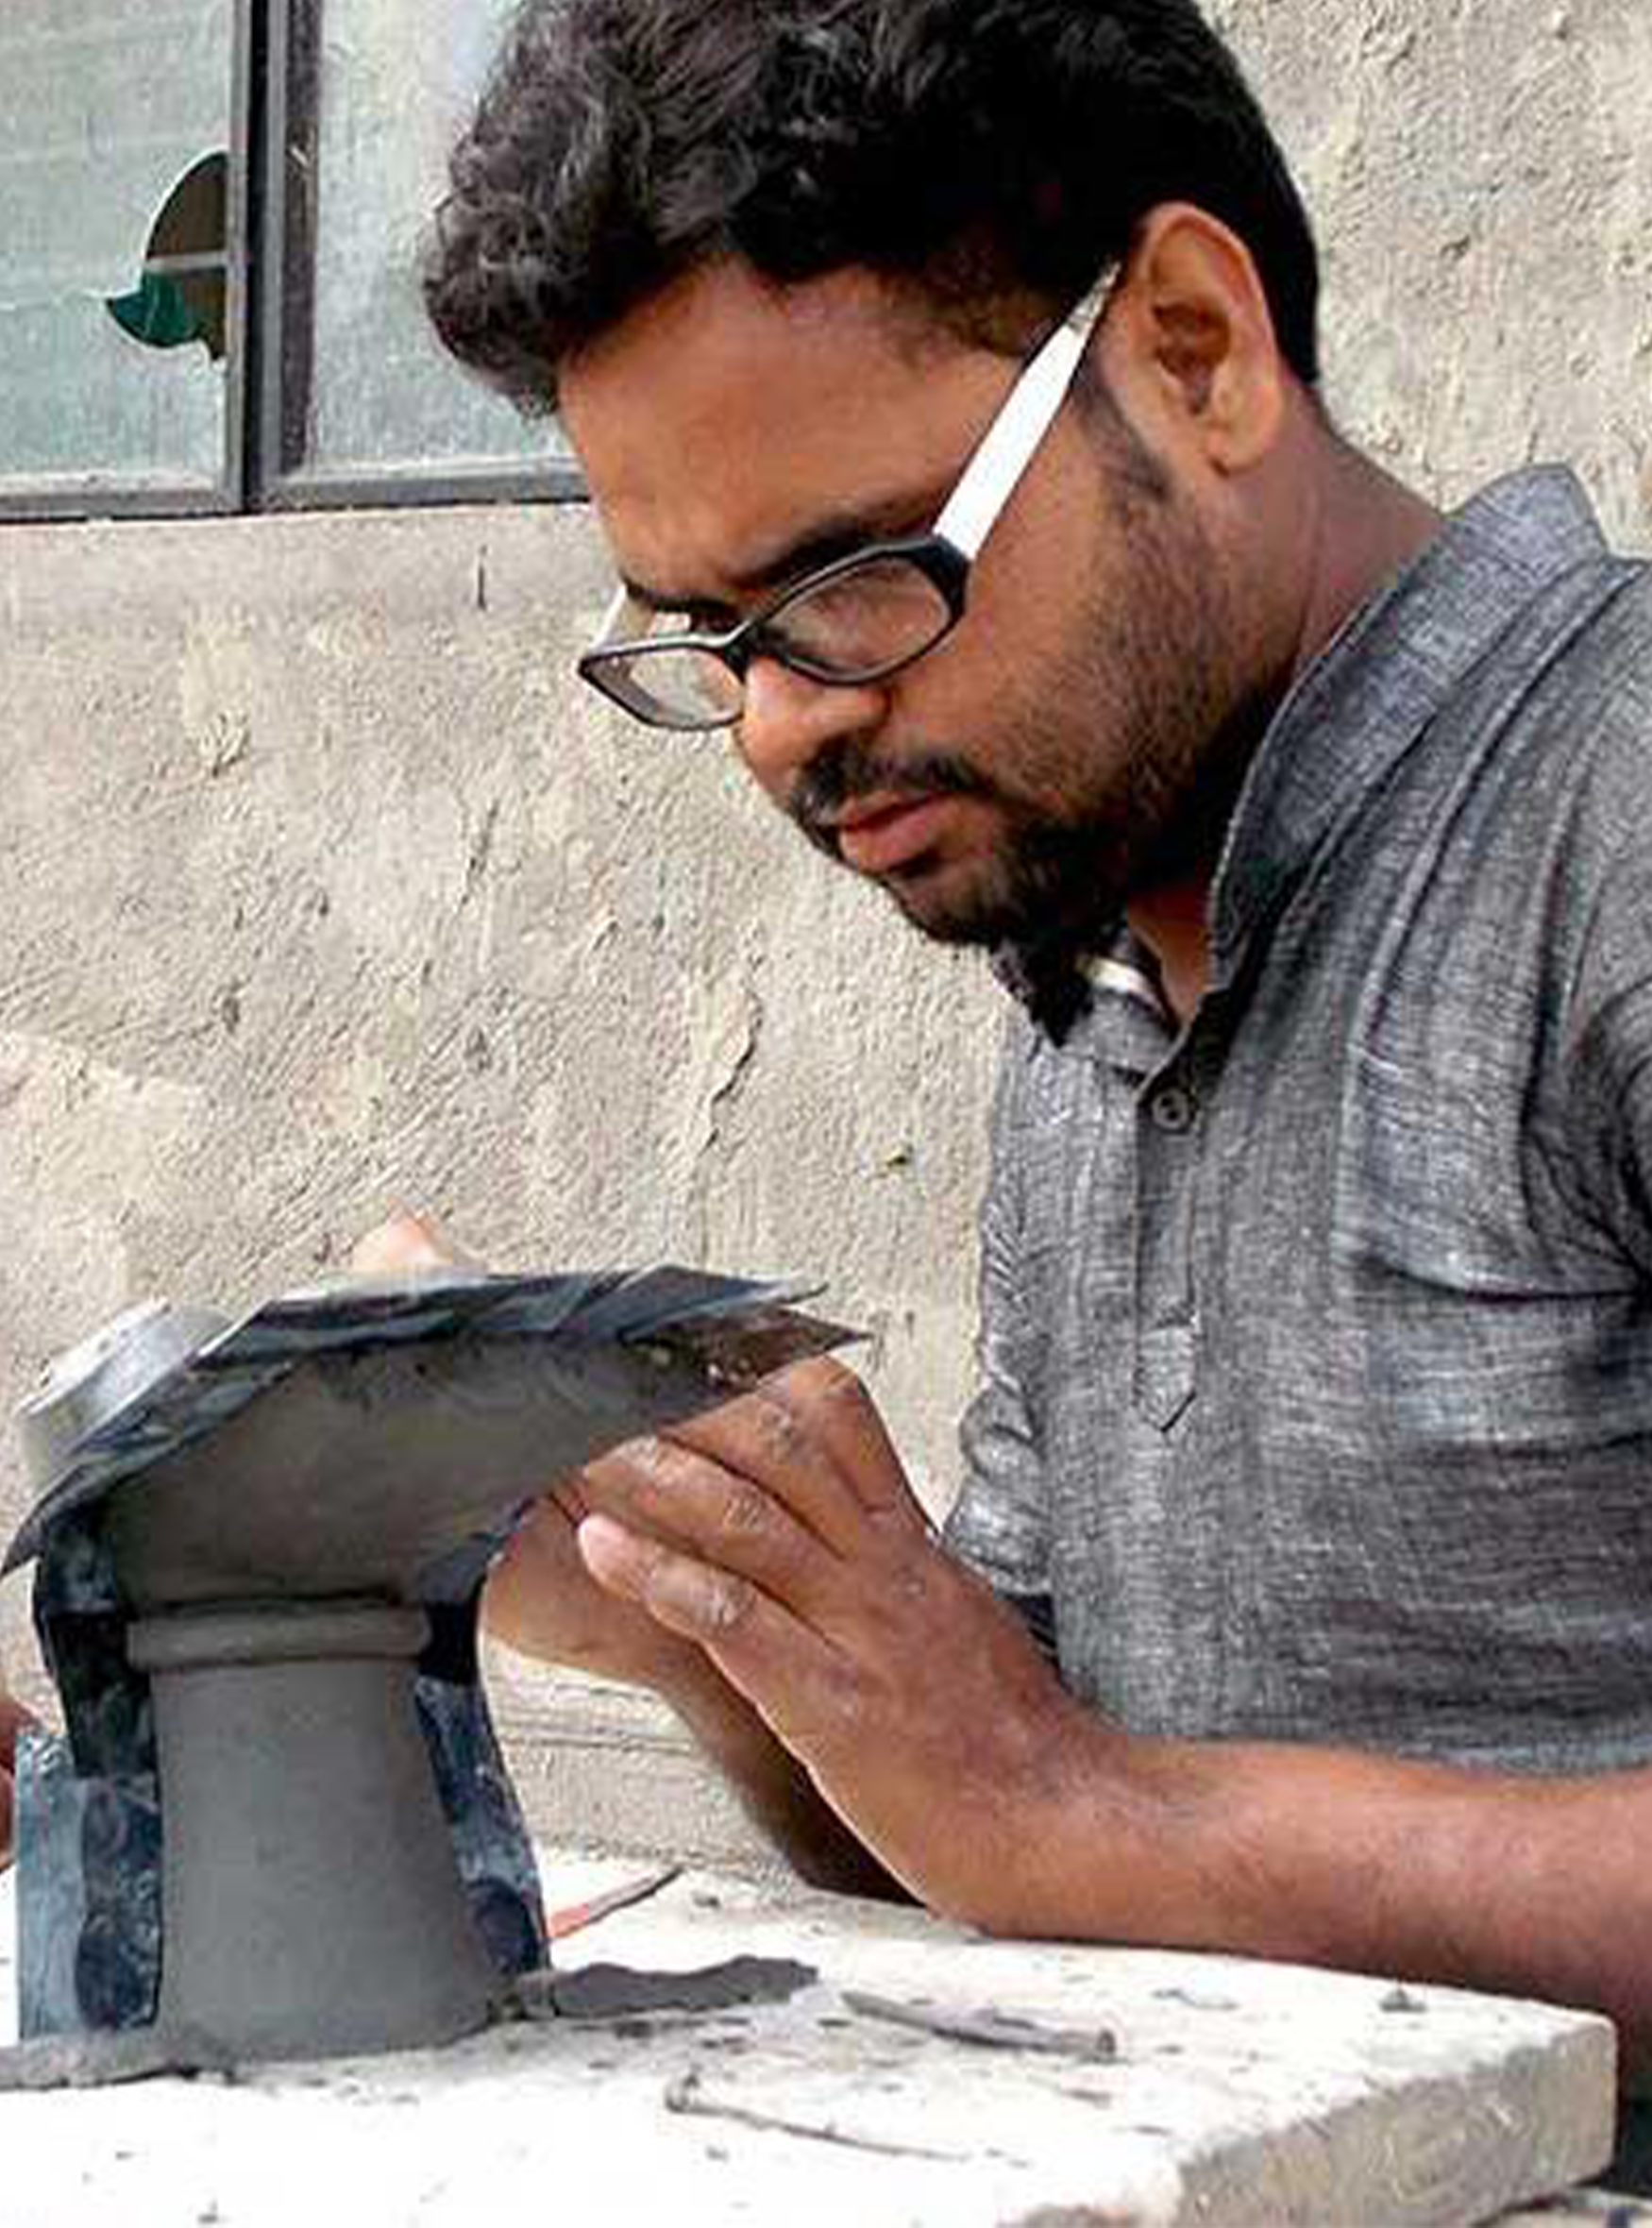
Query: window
column 117, row 131
column 210, row 214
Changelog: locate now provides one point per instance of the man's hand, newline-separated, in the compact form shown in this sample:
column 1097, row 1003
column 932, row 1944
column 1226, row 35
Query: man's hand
column 779, row 1535
column 542, row 1600
column 404, row 1242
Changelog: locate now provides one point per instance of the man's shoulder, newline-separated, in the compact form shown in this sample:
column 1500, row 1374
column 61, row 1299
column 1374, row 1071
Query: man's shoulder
column 1592, row 702
column 1560, row 711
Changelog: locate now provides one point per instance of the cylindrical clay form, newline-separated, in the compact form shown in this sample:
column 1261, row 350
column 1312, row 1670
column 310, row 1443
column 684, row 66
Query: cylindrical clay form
column 311, row 1900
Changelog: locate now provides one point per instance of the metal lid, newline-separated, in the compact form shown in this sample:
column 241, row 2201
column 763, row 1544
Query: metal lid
column 93, row 1381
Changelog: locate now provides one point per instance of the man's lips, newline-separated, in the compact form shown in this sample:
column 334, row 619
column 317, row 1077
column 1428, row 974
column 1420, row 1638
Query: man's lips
column 878, row 834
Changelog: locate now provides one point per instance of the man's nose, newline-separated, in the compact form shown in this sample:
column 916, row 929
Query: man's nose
column 788, row 719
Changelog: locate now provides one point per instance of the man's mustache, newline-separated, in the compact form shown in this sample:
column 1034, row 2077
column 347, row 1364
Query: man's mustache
column 840, row 776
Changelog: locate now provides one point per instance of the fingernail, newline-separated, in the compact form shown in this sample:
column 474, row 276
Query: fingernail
column 604, row 1545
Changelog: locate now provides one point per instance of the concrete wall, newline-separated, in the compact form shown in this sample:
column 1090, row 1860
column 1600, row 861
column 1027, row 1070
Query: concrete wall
column 322, row 885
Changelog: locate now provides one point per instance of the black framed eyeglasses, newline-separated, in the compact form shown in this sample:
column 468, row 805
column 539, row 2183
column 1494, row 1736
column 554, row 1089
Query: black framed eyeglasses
column 864, row 616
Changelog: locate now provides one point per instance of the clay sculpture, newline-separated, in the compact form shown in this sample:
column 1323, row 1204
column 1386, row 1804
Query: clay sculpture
column 279, row 1825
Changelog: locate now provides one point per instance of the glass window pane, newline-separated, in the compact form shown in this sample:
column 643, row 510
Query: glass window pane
column 115, row 127
column 396, row 85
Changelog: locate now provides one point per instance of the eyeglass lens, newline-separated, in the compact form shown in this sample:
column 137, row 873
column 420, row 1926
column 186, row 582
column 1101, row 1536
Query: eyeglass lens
column 850, row 626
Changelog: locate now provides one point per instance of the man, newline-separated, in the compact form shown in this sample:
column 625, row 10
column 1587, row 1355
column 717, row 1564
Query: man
column 944, row 372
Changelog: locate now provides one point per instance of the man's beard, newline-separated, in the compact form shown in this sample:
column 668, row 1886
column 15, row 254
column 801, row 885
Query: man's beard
column 1090, row 813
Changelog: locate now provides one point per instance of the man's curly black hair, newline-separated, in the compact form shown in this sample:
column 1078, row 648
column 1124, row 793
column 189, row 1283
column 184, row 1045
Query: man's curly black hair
column 981, row 149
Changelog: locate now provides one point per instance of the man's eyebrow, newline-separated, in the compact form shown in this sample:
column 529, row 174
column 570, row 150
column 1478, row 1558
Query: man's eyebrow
column 822, row 544
column 837, row 536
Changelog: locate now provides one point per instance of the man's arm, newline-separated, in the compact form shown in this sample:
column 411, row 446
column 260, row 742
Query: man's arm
column 780, row 1536
column 14, row 1719
column 775, row 1789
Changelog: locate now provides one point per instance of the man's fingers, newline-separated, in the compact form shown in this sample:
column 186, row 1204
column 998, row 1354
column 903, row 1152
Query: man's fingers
column 794, row 1679
column 406, row 1240
column 687, row 1596
column 687, row 1501
column 813, row 1438
column 832, row 1408
column 543, row 1537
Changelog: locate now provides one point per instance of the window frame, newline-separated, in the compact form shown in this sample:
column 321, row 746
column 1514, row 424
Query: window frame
column 270, row 265
column 114, row 495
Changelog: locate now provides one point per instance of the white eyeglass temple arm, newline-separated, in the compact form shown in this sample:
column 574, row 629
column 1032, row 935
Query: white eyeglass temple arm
column 1009, row 443
column 624, row 619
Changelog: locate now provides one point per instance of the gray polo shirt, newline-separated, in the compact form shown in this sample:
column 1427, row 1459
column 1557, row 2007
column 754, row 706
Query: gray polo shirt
column 1317, row 1340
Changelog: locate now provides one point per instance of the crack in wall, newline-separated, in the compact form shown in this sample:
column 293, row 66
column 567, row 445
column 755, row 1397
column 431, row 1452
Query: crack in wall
column 479, row 857
column 723, row 1100
column 726, row 1096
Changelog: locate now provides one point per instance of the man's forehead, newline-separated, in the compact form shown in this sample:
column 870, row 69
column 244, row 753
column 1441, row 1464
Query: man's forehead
column 726, row 418
column 725, row 305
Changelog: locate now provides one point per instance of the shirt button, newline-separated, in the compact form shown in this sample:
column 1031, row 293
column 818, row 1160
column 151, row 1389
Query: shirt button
column 1175, row 1109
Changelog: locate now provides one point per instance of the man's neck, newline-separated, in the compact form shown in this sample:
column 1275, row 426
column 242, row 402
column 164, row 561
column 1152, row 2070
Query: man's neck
column 1174, row 923
column 1368, row 529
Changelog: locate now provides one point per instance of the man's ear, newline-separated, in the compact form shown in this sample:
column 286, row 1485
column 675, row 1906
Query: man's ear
column 1200, row 329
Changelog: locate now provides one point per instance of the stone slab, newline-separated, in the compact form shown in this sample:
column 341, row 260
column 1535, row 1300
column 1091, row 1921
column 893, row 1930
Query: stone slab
column 1226, row 2093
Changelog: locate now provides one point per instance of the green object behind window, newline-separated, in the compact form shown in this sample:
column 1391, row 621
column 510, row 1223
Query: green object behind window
column 157, row 314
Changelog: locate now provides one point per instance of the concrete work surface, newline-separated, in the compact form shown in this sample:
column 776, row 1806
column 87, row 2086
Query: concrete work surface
column 1106, row 2086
